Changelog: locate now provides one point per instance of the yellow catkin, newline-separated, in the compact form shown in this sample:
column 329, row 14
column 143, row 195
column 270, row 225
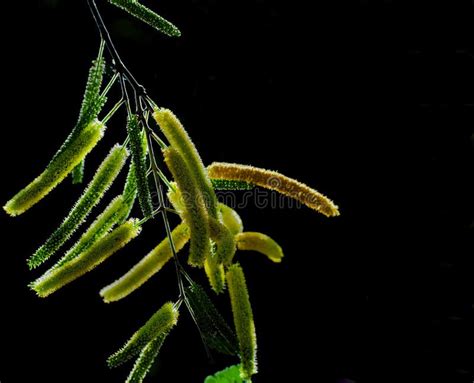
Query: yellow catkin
column 195, row 212
column 147, row 267
column 261, row 243
column 57, row 170
column 180, row 140
column 243, row 320
column 275, row 181
column 60, row 276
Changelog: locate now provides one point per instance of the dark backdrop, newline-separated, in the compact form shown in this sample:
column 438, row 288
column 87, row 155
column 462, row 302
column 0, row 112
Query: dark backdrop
column 370, row 102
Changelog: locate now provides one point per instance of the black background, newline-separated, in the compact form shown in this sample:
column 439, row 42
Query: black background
column 370, row 102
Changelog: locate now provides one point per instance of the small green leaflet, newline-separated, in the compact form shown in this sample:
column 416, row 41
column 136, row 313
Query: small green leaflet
column 229, row 375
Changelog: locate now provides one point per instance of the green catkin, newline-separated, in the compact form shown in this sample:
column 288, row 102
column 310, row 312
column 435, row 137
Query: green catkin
column 112, row 214
column 275, row 181
column 58, row 277
column 180, row 140
column 243, row 320
column 147, row 16
column 105, row 175
column 77, row 173
column 231, row 219
column 215, row 272
column 139, row 159
column 219, row 184
column 130, row 190
column 160, row 323
column 195, row 215
column 145, row 360
column 224, row 240
column 147, row 267
column 261, row 243
column 91, row 98
column 77, row 148
column 92, row 104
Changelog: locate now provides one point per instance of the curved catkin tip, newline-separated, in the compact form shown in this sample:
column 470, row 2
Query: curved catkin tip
column 160, row 323
column 148, row 16
column 57, row 169
column 147, row 267
column 194, row 214
column 111, row 215
column 261, row 243
column 231, row 219
column 275, row 181
column 180, row 140
column 215, row 273
column 145, row 360
column 224, row 241
column 105, row 175
column 58, row 277
column 139, row 161
column 243, row 320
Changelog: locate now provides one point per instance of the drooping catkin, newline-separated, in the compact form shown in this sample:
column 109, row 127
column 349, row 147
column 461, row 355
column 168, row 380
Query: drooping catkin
column 145, row 360
column 112, row 214
column 195, row 214
column 105, row 175
column 139, row 160
column 160, row 323
column 147, row 16
column 260, row 242
column 147, row 267
column 57, row 169
column 275, row 181
column 243, row 320
column 231, row 219
column 180, row 140
column 60, row 276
